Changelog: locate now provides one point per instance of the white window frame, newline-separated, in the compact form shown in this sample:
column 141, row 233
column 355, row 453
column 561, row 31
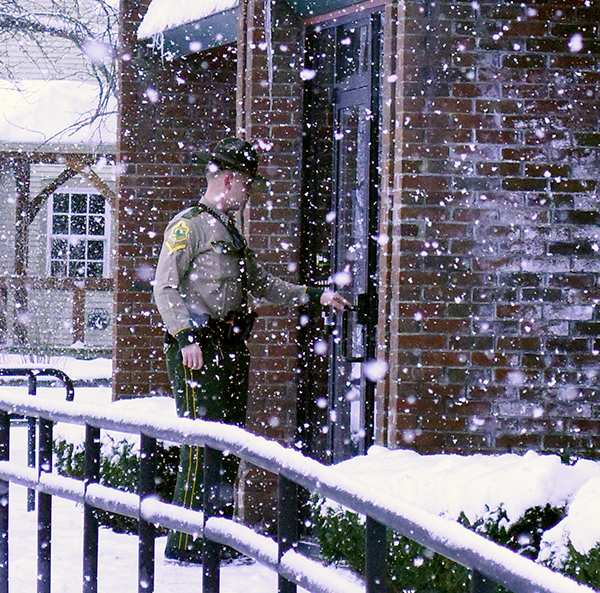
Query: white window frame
column 105, row 238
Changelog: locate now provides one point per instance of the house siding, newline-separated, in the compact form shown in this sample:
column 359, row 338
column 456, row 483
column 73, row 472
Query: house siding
column 50, row 313
column 8, row 205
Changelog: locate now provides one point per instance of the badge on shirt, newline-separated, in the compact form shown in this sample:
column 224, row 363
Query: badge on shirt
column 179, row 233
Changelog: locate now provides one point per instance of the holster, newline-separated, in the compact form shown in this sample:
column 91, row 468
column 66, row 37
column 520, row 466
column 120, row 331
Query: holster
column 236, row 325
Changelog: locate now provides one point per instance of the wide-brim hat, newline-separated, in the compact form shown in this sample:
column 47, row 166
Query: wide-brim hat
column 235, row 154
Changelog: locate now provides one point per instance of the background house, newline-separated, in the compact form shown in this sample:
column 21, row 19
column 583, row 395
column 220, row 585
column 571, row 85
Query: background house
column 57, row 180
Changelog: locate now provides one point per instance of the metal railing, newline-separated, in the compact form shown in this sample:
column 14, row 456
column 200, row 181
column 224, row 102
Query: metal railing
column 489, row 562
column 32, row 375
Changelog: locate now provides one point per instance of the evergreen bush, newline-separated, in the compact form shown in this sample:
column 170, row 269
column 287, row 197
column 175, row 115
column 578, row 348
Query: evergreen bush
column 119, row 469
column 414, row 568
column 584, row 568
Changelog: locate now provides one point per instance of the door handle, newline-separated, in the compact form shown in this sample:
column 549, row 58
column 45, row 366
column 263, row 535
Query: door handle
column 360, row 314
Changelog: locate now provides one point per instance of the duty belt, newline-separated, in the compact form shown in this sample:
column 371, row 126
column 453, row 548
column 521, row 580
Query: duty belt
column 236, row 326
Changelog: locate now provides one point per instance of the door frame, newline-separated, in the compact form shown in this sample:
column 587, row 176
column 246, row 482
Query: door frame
column 374, row 19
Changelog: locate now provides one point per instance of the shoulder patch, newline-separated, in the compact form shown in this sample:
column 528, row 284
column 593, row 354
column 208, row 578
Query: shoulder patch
column 179, row 232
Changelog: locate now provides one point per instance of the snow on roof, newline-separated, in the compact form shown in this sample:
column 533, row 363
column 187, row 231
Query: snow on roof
column 163, row 15
column 41, row 112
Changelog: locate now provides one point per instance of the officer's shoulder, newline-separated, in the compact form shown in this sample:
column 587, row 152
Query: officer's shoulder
column 200, row 212
column 189, row 213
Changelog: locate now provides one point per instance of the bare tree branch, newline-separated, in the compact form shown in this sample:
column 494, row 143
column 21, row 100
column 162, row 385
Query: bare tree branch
column 87, row 28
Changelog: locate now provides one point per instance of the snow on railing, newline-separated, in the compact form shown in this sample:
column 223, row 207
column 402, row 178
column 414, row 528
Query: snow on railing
column 489, row 561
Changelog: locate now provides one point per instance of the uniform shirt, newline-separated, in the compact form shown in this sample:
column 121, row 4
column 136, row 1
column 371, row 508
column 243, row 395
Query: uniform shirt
column 200, row 272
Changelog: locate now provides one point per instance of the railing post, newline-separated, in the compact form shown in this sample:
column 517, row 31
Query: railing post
column 4, row 486
column 375, row 556
column 211, row 551
column 31, row 427
column 287, row 525
column 44, row 508
column 90, row 519
column 481, row 583
column 147, row 531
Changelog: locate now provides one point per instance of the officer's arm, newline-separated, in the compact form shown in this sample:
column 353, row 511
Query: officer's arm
column 177, row 252
column 278, row 291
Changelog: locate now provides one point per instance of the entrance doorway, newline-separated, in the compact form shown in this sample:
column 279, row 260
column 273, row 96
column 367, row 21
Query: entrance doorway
column 340, row 205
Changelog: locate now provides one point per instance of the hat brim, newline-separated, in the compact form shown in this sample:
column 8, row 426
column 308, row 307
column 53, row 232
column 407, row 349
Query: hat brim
column 207, row 157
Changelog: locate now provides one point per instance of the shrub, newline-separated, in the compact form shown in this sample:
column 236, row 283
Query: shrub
column 584, row 568
column 119, row 468
column 413, row 567
column 524, row 535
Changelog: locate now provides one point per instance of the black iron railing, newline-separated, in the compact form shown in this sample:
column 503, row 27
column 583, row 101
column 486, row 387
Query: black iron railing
column 490, row 563
column 32, row 375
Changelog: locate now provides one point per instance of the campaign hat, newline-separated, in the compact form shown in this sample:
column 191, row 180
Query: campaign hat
column 235, row 154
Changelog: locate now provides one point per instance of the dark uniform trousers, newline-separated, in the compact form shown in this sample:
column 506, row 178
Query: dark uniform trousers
column 218, row 391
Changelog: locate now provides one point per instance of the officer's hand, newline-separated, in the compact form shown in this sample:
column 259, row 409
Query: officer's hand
column 192, row 356
column 335, row 300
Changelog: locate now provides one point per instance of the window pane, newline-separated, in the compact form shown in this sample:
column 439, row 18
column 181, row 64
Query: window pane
column 61, row 202
column 96, row 204
column 73, row 219
column 96, row 225
column 79, row 203
column 60, row 224
column 94, row 270
column 77, row 251
column 96, row 250
column 59, row 249
column 58, row 268
column 78, row 225
column 76, row 269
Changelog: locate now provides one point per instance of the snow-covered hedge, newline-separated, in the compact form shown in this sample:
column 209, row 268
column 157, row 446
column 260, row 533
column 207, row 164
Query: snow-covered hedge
column 533, row 503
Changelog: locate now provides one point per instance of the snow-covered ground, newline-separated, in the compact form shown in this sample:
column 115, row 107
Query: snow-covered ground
column 445, row 485
column 117, row 552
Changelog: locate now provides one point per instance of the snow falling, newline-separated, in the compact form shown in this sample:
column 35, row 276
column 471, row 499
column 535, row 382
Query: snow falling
column 473, row 278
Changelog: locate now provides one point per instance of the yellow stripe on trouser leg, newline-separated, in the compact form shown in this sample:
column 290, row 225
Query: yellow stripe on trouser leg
column 218, row 392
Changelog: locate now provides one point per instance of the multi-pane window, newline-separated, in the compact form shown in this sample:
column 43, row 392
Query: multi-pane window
column 78, row 235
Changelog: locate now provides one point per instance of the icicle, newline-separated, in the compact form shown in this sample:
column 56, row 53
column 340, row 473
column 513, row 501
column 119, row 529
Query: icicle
column 269, row 42
column 158, row 43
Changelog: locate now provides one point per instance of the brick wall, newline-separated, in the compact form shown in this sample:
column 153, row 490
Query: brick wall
column 170, row 111
column 270, row 109
column 269, row 93
column 491, row 205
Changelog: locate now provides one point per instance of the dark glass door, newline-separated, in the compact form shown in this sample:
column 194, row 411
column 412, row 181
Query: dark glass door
column 343, row 106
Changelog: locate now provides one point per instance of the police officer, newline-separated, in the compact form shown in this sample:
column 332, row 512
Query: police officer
column 204, row 276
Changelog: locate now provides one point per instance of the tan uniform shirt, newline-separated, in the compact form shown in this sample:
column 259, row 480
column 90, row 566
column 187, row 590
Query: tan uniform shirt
column 199, row 272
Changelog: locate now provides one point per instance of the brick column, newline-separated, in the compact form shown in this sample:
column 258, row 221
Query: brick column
column 269, row 110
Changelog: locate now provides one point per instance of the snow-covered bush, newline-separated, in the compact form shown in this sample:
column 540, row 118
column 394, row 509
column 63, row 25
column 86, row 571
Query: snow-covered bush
column 119, row 468
column 411, row 567
column 534, row 504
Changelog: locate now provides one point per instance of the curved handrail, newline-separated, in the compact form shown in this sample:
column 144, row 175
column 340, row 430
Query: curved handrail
column 33, row 373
